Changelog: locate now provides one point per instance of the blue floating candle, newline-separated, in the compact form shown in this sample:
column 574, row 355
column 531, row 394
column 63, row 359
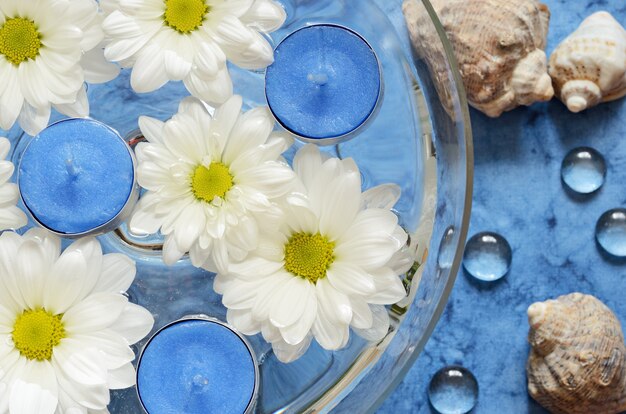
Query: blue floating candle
column 324, row 84
column 197, row 366
column 77, row 177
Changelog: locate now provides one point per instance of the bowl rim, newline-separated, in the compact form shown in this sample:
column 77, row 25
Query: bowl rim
column 467, row 206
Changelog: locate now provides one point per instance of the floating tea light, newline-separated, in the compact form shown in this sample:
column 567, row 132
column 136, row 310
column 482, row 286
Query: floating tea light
column 77, row 177
column 197, row 365
column 324, row 84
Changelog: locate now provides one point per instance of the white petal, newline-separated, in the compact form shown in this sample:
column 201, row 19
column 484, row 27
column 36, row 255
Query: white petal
column 224, row 120
column 93, row 397
column 189, row 226
column 214, row 91
column 235, row 7
column 210, row 59
column 171, row 252
column 91, row 250
column 114, row 349
column 328, row 334
column 9, row 192
column 30, row 267
column 121, row 378
column 149, row 70
column 290, row 306
column 77, row 109
column 69, row 405
column 7, row 319
column 361, row 314
column 255, row 267
column 79, row 364
column 307, row 163
column 251, row 130
column 175, row 66
column 10, row 295
column 5, row 147
column 339, row 203
column 50, row 243
column 32, row 83
column 336, row 304
column 389, row 287
column 96, row 312
column 12, row 218
column 380, row 325
column 65, row 282
column 97, row 68
column 288, row 353
column 11, row 98
column 118, row 273
column 33, row 120
column 383, row 196
column 6, row 171
column 127, row 36
column 242, row 45
column 92, row 35
column 144, row 221
column 135, row 323
column 271, row 178
column 265, row 15
column 220, row 256
column 142, row 9
column 300, row 330
column 152, row 129
column 350, row 279
column 63, row 37
column 243, row 321
column 371, row 240
column 35, row 391
column 240, row 295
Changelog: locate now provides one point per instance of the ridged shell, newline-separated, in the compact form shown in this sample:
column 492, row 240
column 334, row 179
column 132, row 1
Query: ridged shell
column 589, row 66
column 499, row 45
column 576, row 364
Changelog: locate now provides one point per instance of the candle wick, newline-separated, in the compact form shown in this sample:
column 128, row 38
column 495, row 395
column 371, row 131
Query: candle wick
column 71, row 168
column 320, row 79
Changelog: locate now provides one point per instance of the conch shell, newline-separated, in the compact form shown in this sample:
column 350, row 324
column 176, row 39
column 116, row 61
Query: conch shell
column 499, row 45
column 576, row 364
column 589, row 66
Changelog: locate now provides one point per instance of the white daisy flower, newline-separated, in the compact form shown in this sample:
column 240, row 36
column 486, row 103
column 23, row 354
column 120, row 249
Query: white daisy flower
column 190, row 40
column 211, row 182
column 48, row 49
column 11, row 217
column 332, row 265
column 65, row 326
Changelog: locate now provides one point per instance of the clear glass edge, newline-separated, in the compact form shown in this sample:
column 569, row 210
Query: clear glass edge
column 467, row 208
column 463, row 230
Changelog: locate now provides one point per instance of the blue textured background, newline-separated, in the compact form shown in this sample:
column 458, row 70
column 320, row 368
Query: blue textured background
column 518, row 193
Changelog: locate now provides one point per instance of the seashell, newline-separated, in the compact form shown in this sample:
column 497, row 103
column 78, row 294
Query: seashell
column 576, row 364
column 589, row 66
column 499, row 46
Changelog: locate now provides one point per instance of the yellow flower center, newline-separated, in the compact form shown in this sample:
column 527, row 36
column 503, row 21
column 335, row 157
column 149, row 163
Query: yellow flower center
column 19, row 40
column 208, row 183
column 185, row 16
column 36, row 333
column 309, row 256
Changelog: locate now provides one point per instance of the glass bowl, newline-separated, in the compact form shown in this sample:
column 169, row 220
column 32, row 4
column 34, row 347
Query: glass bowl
column 420, row 139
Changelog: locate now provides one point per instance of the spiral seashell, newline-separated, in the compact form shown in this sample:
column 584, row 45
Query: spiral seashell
column 576, row 363
column 499, row 45
column 589, row 66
